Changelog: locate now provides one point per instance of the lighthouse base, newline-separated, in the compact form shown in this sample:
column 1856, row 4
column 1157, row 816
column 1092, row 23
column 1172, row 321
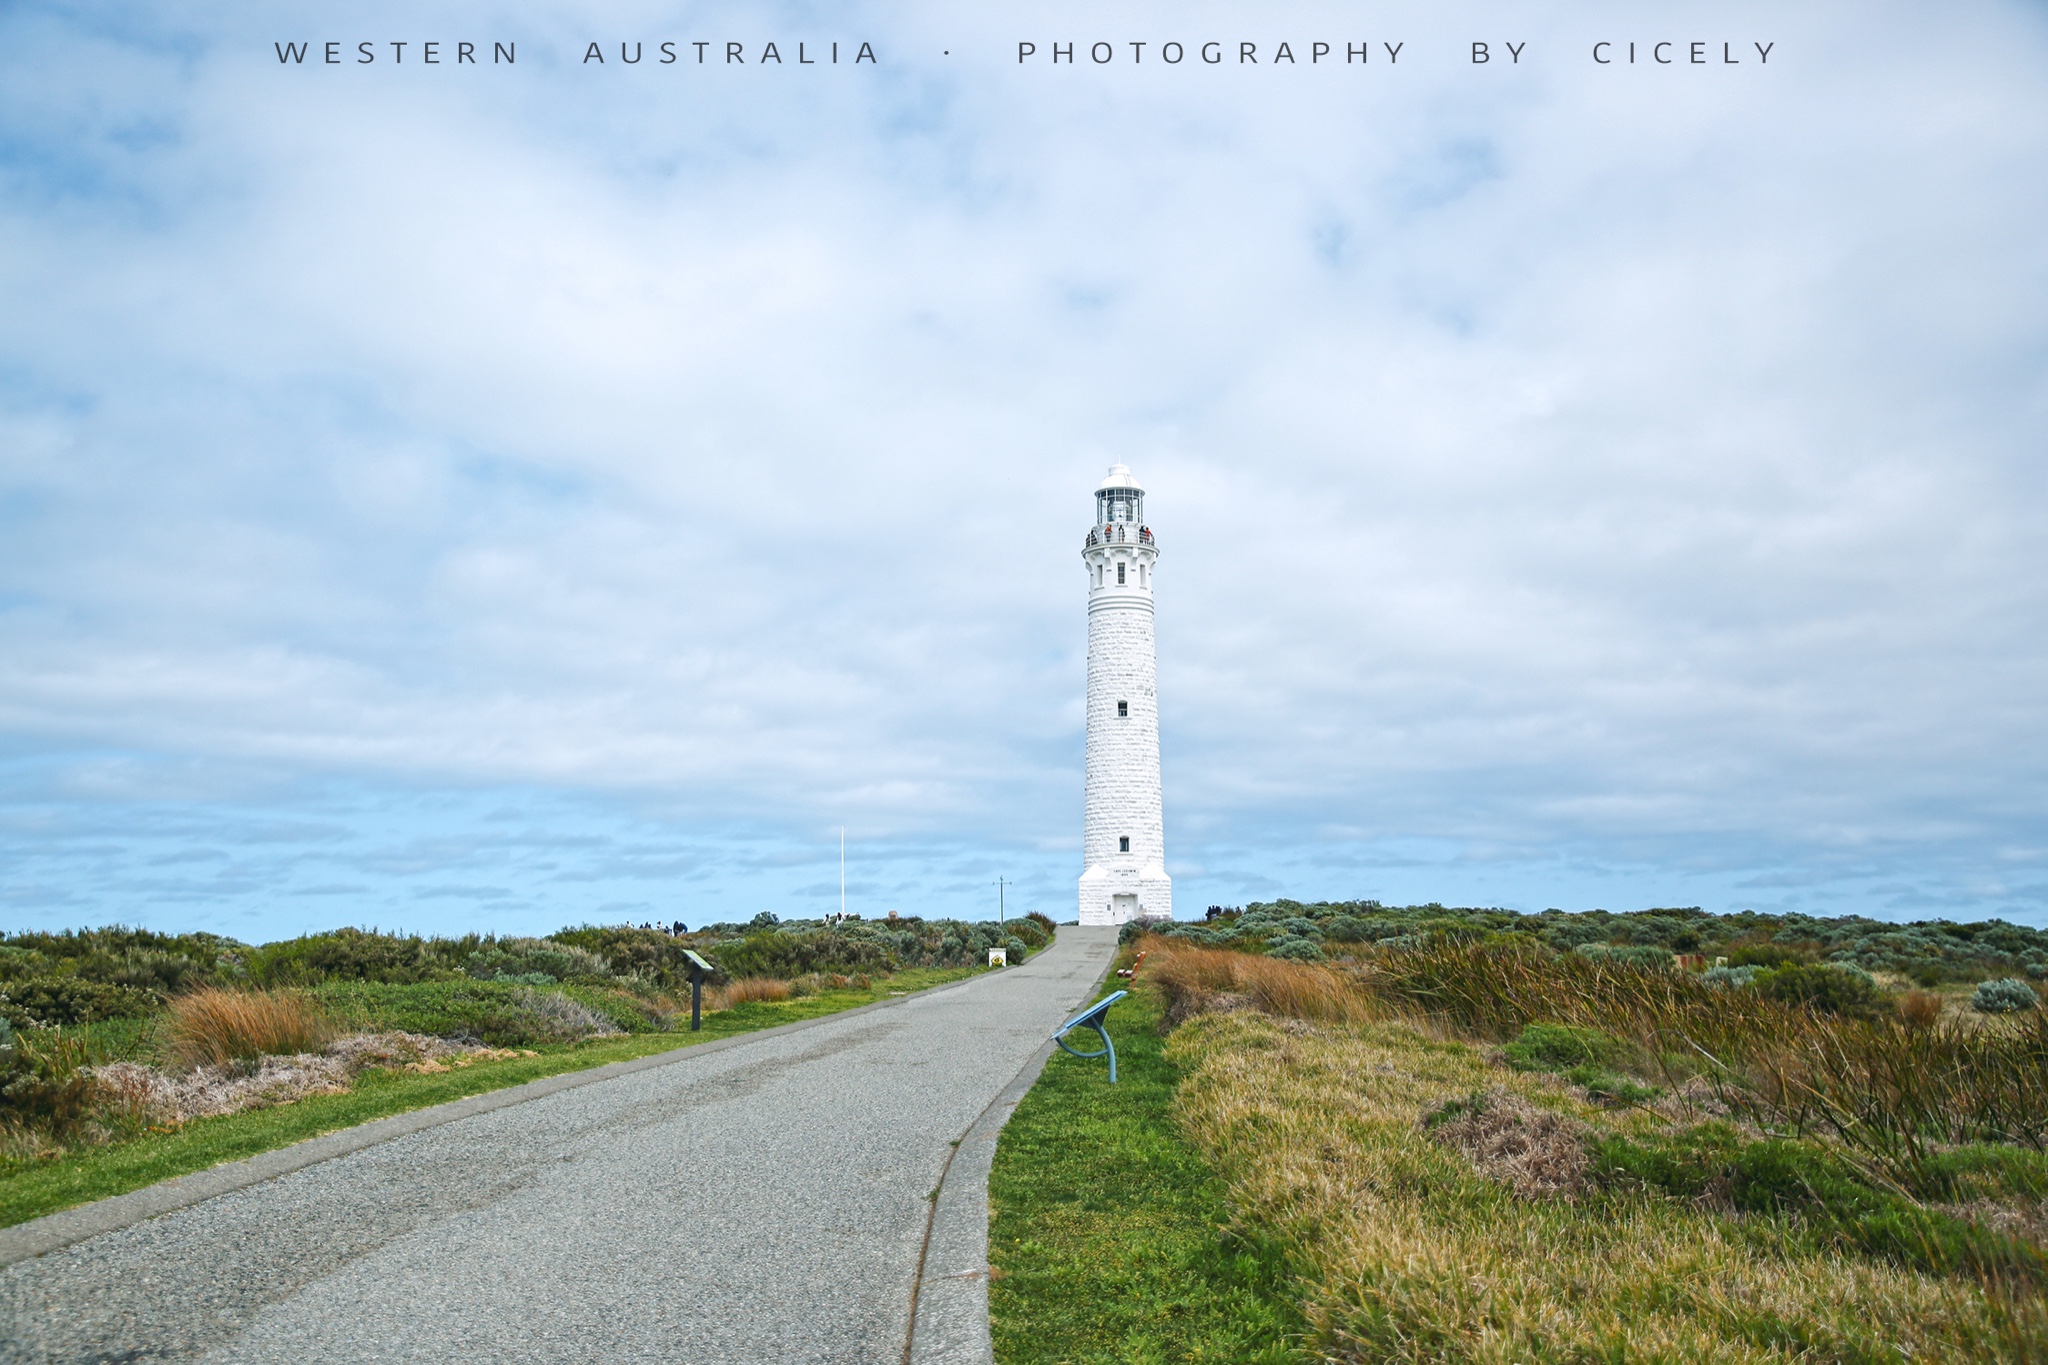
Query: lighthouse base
column 1122, row 892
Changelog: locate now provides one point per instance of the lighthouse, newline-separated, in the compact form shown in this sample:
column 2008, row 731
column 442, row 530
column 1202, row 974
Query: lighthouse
column 1123, row 843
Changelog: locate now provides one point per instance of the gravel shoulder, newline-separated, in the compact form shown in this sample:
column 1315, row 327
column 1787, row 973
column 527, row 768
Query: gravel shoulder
column 765, row 1201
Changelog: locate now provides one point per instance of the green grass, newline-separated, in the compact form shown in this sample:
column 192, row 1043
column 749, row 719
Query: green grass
column 32, row 1187
column 1108, row 1233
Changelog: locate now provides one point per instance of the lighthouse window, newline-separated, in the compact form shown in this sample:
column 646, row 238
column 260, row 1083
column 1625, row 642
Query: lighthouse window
column 1123, row 844
column 1119, row 575
column 1123, row 708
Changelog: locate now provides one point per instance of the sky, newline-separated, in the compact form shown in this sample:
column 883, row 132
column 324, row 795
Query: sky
column 496, row 496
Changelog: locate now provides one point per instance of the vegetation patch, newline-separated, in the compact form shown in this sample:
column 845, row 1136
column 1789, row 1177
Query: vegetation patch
column 1486, row 1238
column 1584, row 1056
column 1387, row 1130
column 1110, row 1240
column 1928, row 953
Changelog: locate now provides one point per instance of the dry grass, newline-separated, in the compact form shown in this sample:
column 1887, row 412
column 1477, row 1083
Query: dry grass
column 1918, row 1009
column 218, row 1027
column 747, row 990
column 1537, row 1153
column 1417, row 1255
column 1196, row 980
column 1890, row 1087
column 156, row 1097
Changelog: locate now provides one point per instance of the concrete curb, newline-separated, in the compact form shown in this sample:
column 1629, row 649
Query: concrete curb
column 68, row 1227
column 949, row 1308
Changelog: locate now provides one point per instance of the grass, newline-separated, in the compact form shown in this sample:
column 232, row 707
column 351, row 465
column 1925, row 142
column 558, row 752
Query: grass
column 1894, row 1086
column 31, row 1187
column 1445, row 1201
column 1108, row 1234
column 1416, row 1254
column 213, row 1027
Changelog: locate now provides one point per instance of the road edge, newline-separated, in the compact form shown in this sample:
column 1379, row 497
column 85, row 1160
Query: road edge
column 82, row 1222
column 949, row 1322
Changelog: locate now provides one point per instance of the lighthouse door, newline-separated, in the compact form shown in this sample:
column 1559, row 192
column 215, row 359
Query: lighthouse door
column 1124, row 907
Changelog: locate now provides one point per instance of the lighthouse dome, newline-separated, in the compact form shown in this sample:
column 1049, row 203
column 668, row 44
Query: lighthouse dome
column 1119, row 497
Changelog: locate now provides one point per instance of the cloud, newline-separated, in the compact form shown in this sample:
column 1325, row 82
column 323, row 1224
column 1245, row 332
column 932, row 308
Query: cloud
column 1573, row 481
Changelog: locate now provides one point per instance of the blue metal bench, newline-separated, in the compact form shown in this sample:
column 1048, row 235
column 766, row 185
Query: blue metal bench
column 1092, row 1017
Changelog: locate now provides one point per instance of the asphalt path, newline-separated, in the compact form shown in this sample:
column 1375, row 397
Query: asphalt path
column 765, row 1202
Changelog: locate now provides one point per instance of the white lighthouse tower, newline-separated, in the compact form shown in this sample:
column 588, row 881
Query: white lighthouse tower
column 1124, row 842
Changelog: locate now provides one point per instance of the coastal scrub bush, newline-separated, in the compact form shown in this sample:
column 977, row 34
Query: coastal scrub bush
column 526, row 958
column 348, row 955
column 57, row 1001
column 2003, row 996
column 214, row 1027
column 649, row 954
column 1294, row 949
column 1829, row 987
column 553, row 1017
column 1559, row 1047
column 483, row 1011
column 45, row 1090
column 1635, row 955
column 1030, row 931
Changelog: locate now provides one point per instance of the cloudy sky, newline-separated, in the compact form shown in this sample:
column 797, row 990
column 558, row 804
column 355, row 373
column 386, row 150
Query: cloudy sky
column 500, row 496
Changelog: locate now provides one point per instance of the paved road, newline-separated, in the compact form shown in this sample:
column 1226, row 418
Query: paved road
column 763, row 1203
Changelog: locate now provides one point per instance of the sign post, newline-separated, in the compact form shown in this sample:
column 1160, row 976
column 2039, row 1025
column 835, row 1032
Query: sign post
column 699, row 969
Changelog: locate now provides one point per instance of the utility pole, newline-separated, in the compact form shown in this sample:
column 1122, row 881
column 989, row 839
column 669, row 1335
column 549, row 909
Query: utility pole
column 1001, row 916
column 842, row 872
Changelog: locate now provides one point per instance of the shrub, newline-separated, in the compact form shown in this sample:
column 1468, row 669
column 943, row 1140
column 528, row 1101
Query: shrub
column 1029, row 930
column 628, row 952
column 1014, row 946
column 1347, row 929
column 215, row 1027
column 1827, row 987
column 1636, row 955
column 164, row 974
column 1559, row 1047
column 478, row 1011
column 2003, row 996
column 44, row 1087
column 1729, row 976
column 525, row 958
column 51, row 1002
column 550, row 1016
column 1762, row 955
column 347, row 955
column 1295, row 949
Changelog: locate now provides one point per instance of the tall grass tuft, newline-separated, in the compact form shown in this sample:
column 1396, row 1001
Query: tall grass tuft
column 1190, row 976
column 747, row 990
column 1895, row 1087
column 215, row 1027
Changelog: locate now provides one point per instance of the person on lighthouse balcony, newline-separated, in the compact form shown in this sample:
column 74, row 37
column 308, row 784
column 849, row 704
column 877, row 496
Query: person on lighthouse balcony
column 1123, row 844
